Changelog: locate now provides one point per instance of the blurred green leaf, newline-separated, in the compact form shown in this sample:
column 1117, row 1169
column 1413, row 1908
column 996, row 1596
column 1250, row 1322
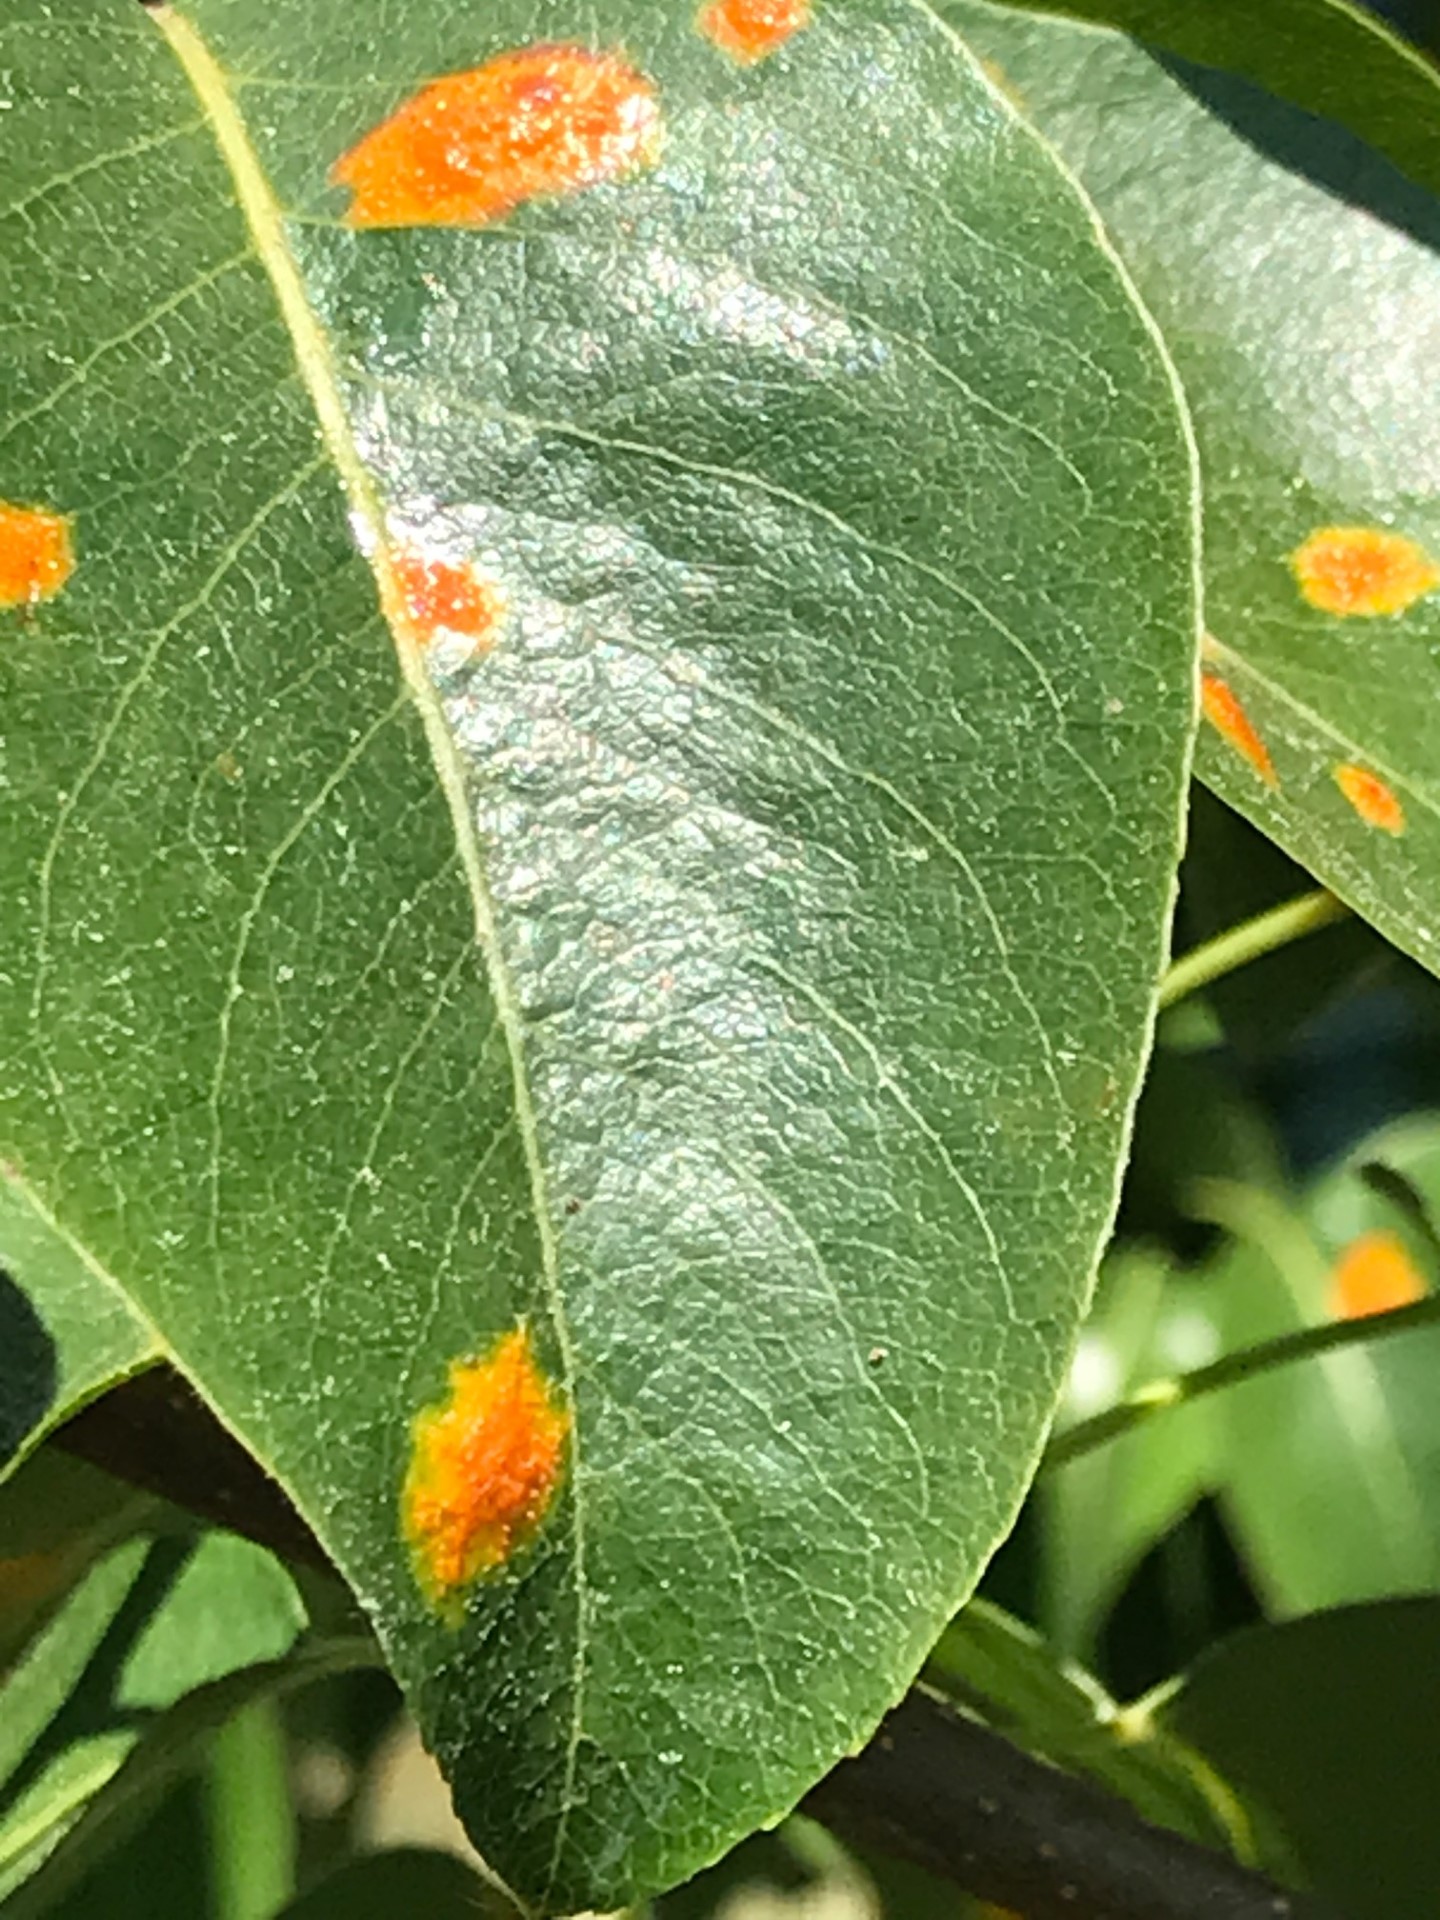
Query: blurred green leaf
column 409, row 1881
column 1330, row 1467
column 739, row 972
column 1106, row 1509
column 1296, row 279
column 57, row 1517
column 152, row 1622
column 1328, row 1723
column 1330, row 57
column 999, row 1669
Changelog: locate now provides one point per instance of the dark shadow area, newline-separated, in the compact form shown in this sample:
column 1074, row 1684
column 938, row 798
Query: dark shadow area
column 1319, row 150
column 29, row 1368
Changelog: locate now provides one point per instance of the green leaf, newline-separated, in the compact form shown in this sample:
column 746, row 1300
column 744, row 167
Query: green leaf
column 151, row 1623
column 409, row 1880
column 1330, row 1468
column 1295, row 277
column 1329, row 1724
column 65, row 1335
column 998, row 1668
column 1328, row 56
column 816, row 809
column 1105, row 1510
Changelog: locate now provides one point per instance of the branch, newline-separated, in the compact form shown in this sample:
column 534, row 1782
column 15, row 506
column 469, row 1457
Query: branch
column 1251, row 940
column 933, row 1786
column 941, row 1790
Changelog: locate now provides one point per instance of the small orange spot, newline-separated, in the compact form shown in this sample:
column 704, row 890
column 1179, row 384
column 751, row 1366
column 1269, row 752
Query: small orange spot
column 1223, row 710
column 441, row 597
column 484, row 1469
column 749, row 29
column 1362, row 570
column 36, row 557
column 1368, row 794
column 1372, row 1275
column 472, row 147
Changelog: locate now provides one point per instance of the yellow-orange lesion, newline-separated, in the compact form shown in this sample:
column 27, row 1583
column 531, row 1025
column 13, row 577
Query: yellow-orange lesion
column 484, row 1469
column 37, row 555
column 1374, row 1274
column 748, row 30
column 1362, row 571
column 471, row 147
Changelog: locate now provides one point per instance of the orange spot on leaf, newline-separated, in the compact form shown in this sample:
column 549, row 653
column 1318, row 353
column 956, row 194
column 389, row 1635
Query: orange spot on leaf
column 1222, row 708
column 1362, row 570
column 1372, row 1275
column 1368, row 794
column 440, row 596
column 36, row 557
column 484, row 1469
column 472, row 147
column 749, row 29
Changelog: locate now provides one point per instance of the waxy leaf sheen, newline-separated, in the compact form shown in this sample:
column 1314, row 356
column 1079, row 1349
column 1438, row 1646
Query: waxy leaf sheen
column 612, row 769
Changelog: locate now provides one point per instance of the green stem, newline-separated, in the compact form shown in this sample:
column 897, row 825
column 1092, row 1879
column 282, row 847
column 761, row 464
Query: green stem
column 252, row 1826
column 1228, row 1371
column 1251, row 940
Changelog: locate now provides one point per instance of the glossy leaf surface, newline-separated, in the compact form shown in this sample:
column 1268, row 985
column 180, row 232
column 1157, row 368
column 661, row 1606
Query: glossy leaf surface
column 1295, row 276
column 738, row 975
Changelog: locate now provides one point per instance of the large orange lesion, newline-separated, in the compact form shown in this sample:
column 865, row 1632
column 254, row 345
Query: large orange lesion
column 748, row 30
column 438, row 597
column 486, row 1462
column 1223, row 709
column 37, row 556
column 473, row 146
column 1377, row 804
column 1367, row 571
column 1374, row 1274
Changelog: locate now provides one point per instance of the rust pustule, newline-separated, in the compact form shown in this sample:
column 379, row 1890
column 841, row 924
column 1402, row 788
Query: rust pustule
column 471, row 147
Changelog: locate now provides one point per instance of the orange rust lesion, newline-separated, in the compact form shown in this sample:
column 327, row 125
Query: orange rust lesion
column 1364, row 571
column 749, row 30
column 471, row 147
column 484, row 1469
column 37, row 555
column 439, row 597
column 1374, row 1274
column 1224, row 710
column 1376, row 803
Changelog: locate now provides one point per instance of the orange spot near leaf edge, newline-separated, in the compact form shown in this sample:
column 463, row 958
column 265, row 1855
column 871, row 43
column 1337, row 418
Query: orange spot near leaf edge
column 1225, row 711
column 437, row 597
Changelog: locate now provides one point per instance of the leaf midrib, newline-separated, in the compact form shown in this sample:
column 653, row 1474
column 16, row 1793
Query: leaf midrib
column 264, row 221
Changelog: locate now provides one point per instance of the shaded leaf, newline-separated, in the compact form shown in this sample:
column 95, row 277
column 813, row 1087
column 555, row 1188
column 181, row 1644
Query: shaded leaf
column 1330, row 57
column 817, row 806
column 151, row 1623
column 1296, row 279
column 1329, row 1723
column 65, row 1334
column 410, row 1880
